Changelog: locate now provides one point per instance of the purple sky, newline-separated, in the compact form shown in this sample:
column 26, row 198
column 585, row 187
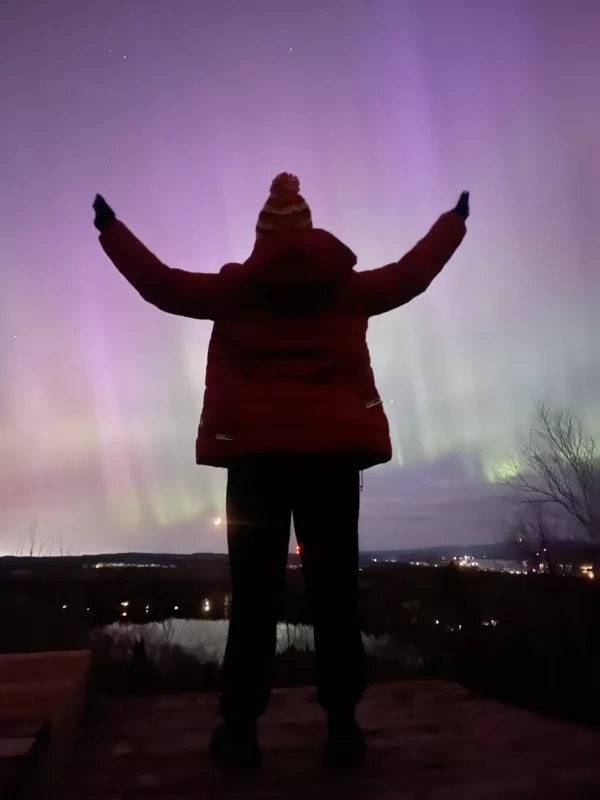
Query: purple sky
column 181, row 112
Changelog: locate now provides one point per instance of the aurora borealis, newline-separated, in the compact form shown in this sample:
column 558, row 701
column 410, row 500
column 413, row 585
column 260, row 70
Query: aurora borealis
column 180, row 112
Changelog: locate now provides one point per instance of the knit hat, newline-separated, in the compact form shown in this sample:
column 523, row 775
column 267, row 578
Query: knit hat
column 285, row 207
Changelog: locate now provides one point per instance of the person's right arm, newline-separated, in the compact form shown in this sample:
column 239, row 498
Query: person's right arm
column 199, row 295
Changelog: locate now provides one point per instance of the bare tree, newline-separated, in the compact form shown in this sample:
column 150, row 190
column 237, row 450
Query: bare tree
column 167, row 628
column 62, row 550
column 32, row 546
column 558, row 465
column 535, row 537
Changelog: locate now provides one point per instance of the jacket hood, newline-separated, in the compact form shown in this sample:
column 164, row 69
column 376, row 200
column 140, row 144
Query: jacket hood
column 297, row 268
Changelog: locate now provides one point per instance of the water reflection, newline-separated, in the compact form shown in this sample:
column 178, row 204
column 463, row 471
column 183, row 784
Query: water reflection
column 206, row 639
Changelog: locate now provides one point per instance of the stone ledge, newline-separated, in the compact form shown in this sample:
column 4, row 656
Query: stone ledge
column 431, row 741
column 41, row 695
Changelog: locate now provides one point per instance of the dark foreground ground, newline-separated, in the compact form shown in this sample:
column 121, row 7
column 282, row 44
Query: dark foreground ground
column 428, row 740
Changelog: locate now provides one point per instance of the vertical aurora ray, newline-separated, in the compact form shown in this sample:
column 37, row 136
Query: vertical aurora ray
column 180, row 114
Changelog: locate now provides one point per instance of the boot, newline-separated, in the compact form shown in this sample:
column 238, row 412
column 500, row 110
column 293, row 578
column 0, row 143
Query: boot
column 345, row 746
column 235, row 745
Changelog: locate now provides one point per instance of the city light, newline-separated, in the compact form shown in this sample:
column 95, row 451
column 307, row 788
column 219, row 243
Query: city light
column 531, row 566
column 123, row 565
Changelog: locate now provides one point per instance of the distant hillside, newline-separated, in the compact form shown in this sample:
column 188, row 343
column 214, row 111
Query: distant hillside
column 498, row 551
column 164, row 560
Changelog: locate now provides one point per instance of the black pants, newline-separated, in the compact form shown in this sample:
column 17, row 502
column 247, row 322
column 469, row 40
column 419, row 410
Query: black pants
column 323, row 496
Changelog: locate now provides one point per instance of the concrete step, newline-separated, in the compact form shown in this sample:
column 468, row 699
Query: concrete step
column 41, row 699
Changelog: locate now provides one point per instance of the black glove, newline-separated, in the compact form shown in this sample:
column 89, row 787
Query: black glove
column 462, row 207
column 104, row 213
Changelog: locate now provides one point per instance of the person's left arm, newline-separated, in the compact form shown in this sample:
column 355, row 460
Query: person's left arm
column 386, row 288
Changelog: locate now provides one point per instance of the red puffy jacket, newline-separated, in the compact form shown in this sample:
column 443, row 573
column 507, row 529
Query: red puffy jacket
column 288, row 369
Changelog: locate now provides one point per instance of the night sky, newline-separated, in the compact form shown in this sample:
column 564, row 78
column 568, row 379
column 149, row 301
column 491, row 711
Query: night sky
column 180, row 112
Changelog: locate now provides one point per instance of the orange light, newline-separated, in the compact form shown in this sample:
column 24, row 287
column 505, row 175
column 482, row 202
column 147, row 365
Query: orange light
column 217, row 521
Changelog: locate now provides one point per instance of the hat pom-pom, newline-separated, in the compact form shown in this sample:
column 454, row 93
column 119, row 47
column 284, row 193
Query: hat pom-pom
column 285, row 184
